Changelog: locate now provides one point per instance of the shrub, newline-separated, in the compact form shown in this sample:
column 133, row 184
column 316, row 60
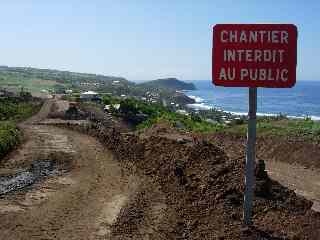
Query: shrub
column 9, row 137
column 13, row 110
column 128, row 106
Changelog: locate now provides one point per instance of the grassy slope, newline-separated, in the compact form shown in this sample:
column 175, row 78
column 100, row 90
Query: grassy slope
column 182, row 122
column 306, row 129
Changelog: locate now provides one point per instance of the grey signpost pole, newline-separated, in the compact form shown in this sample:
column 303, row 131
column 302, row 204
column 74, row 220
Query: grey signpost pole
column 250, row 158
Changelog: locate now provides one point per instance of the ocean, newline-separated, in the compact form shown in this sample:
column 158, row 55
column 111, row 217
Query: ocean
column 298, row 102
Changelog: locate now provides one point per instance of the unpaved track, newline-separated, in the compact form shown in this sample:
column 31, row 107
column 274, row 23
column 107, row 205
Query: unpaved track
column 303, row 181
column 80, row 203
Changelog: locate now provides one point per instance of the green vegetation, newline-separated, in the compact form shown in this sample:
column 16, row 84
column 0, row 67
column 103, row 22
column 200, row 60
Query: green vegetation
column 9, row 137
column 151, row 114
column 15, row 79
column 218, row 116
column 133, row 110
column 144, row 115
column 107, row 100
column 13, row 110
column 182, row 122
column 169, row 83
column 54, row 81
column 281, row 126
column 35, row 80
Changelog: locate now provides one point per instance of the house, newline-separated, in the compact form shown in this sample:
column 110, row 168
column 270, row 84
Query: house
column 5, row 94
column 90, row 96
column 183, row 112
column 115, row 82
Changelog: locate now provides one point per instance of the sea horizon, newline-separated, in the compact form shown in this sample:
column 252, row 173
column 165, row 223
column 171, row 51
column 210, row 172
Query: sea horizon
column 301, row 101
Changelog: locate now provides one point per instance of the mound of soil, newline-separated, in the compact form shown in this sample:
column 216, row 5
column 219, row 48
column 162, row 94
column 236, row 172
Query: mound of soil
column 67, row 112
column 202, row 189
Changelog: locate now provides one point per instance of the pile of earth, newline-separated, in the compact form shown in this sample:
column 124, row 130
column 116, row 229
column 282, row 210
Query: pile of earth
column 202, row 190
column 68, row 112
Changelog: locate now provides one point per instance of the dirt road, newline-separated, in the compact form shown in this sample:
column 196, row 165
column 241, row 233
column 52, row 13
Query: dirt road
column 303, row 181
column 80, row 202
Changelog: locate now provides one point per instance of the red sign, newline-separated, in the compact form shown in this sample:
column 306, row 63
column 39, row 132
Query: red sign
column 254, row 55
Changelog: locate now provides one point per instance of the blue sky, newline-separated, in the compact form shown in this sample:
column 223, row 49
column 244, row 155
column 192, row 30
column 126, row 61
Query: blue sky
column 142, row 40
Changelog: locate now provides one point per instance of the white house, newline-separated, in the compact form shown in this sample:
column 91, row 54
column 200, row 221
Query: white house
column 183, row 112
column 89, row 95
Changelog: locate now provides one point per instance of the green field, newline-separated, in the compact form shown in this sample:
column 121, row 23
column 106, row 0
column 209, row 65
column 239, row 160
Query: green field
column 17, row 81
column 35, row 80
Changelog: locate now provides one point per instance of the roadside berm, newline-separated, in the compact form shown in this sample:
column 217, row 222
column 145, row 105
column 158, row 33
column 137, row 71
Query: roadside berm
column 196, row 190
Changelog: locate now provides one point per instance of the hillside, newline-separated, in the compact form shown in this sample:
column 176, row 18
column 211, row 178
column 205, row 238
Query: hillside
column 36, row 80
column 171, row 83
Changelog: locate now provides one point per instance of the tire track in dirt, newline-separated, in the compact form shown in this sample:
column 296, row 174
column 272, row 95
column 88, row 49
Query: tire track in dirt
column 81, row 202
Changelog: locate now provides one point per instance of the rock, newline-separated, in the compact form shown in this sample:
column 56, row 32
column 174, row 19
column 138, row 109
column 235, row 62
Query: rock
column 260, row 170
column 182, row 140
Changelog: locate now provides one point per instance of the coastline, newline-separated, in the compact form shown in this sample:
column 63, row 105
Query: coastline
column 202, row 105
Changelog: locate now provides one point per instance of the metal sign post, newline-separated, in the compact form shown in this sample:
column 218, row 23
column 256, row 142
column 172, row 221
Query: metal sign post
column 250, row 158
column 252, row 56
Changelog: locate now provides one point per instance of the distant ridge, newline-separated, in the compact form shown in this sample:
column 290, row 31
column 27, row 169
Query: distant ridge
column 169, row 83
column 57, row 75
column 35, row 81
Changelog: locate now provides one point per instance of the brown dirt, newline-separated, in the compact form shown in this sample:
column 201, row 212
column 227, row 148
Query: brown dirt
column 82, row 203
column 164, row 185
column 202, row 191
column 284, row 149
column 292, row 162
